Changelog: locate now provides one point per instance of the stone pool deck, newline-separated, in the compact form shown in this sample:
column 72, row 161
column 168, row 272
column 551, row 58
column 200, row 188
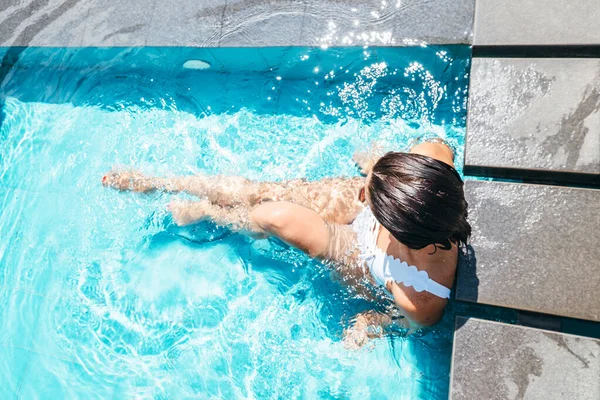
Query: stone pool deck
column 528, row 363
column 233, row 23
column 533, row 122
column 534, row 125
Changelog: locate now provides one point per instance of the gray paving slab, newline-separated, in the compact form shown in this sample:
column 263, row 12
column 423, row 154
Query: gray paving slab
column 234, row 23
column 259, row 23
column 534, row 247
column 43, row 23
column 190, row 23
column 537, row 22
column 496, row 361
column 346, row 23
column 534, row 114
column 118, row 23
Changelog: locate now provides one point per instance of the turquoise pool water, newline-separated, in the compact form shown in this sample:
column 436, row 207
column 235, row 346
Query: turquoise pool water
column 101, row 296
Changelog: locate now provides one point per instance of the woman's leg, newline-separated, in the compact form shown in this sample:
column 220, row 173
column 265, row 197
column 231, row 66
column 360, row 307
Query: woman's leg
column 298, row 226
column 236, row 218
column 306, row 230
column 222, row 190
column 334, row 199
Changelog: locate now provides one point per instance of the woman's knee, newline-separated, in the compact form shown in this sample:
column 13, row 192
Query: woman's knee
column 272, row 216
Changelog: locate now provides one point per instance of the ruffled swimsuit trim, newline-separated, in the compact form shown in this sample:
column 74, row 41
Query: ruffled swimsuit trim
column 385, row 268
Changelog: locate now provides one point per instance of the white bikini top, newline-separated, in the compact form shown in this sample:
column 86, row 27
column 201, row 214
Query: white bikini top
column 386, row 268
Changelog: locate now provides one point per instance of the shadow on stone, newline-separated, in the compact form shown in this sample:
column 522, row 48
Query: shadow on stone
column 467, row 282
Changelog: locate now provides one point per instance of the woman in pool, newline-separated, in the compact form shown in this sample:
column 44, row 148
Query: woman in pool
column 399, row 227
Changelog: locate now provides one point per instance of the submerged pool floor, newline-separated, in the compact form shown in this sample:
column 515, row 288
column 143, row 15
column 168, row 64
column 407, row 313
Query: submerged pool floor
column 102, row 296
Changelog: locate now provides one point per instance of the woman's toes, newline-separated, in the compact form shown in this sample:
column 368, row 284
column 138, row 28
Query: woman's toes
column 117, row 180
column 127, row 180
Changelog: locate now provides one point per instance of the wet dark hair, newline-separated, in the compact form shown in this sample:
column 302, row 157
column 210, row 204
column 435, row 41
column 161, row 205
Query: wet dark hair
column 419, row 200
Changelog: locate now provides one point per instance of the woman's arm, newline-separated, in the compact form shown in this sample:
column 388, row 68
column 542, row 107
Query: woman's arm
column 440, row 151
column 365, row 160
column 421, row 309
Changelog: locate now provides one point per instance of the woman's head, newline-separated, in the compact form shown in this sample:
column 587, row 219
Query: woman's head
column 419, row 200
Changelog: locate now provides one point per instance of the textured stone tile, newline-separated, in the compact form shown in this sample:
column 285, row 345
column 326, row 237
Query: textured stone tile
column 384, row 23
column 258, row 23
column 190, row 23
column 535, row 248
column 498, row 361
column 114, row 23
column 67, row 29
column 42, row 23
column 535, row 114
column 234, row 23
column 537, row 22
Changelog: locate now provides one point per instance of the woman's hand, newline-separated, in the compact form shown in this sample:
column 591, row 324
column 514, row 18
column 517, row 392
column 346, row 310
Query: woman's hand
column 365, row 160
column 367, row 325
column 355, row 338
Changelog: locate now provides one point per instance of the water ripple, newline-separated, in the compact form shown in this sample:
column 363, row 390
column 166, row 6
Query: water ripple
column 108, row 299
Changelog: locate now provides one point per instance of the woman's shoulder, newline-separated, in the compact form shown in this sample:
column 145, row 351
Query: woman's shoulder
column 437, row 150
column 423, row 307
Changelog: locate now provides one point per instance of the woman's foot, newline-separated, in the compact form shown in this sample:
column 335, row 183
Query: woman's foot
column 188, row 212
column 128, row 180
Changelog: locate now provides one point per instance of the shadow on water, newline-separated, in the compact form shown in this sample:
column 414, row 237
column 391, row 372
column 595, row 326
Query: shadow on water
column 11, row 57
column 196, row 235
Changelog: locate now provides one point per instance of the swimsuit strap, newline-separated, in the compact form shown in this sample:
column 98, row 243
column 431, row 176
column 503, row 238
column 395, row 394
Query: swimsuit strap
column 437, row 289
column 410, row 276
